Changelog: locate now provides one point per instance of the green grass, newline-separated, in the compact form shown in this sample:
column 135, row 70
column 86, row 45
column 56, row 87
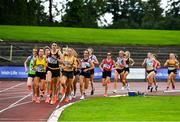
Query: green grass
column 157, row 108
column 90, row 36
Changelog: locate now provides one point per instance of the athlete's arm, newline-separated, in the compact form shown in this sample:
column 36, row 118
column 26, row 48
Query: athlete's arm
column 158, row 64
column 79, row 63
column 131, row 62
column 166, row 63
column 91, row 66
column 75, row 65
column 34, row 63
column 96, row 60
column 25, row 64
column 100, row 66
column 177, row 64
column 60, row 57
column 144, row 63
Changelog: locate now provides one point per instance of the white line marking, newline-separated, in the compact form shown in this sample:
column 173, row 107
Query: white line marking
column 57, row 113
column 172, row 91
column 14, row 92
column 122, row 95
column 12, row 87
column 11, row 97
column 10, row 106
column 22, row 104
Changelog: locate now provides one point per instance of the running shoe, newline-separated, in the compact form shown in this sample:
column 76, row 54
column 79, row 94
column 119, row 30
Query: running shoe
column 167, row 88
column 122, row 88
column 47, row 99
column 74, row 96
column 115, row 91
column 66, row 100
column 38, row 100
column 70, row 97
column 34, row 99
column 53, row 101
column 82, row 97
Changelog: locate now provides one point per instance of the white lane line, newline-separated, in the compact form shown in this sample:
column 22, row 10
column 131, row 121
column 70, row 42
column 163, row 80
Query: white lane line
column 57, row 113
column 12, row 87
column 22, row 103
column 10, row 106
column 122, row 95
column 172, row 91
column 14, row 92
column 11, row 97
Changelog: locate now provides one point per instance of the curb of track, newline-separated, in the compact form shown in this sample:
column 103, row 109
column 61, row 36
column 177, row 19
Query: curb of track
column 58, row 112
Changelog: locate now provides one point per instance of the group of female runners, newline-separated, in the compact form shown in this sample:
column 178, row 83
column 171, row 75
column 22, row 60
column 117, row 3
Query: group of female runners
column 152, row 64
column 54, row 72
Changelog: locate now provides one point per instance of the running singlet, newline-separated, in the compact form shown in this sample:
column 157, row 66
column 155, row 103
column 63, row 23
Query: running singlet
column 149, row 63
column 68, row 63
column 40, row 64
column 108, row 65
column 30, row 70
column 171, row 64
column 52, row 61
column 85, row 64
column 92, row 58
column 127, row 63
column 120, row 61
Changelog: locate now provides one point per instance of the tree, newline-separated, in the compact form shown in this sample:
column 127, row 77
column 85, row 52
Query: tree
column 152, row 13
column 83, row 13
column 50, row 11
column 174, row 8
column 22, row 12
column 126, row 13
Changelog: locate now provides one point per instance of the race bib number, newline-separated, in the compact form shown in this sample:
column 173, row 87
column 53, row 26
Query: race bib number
column 52, row 60
column 40, row 68
column 85, row 65
column 106, row 66
column 67, row 63
column 150, row 64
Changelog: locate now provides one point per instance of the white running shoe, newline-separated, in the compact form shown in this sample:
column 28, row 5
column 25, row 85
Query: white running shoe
column 74, row 96
column 70, row 97
column 122, row 88
column 115, row 91
column 82, row 97
column 72, row 93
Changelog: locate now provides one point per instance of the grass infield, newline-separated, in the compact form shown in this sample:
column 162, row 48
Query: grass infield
column 151, row 108
column 90, row 36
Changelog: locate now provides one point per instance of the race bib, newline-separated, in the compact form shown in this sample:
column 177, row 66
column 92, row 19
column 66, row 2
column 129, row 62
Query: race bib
column 52, row 60
column 149, row 64
column 85, row 65
column 40, row 68
column 107, row 66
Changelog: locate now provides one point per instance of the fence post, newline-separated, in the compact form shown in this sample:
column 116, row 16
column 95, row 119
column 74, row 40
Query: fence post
column 10, row 56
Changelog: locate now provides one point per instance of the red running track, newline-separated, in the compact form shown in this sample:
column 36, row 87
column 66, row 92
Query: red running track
column 16, row 105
